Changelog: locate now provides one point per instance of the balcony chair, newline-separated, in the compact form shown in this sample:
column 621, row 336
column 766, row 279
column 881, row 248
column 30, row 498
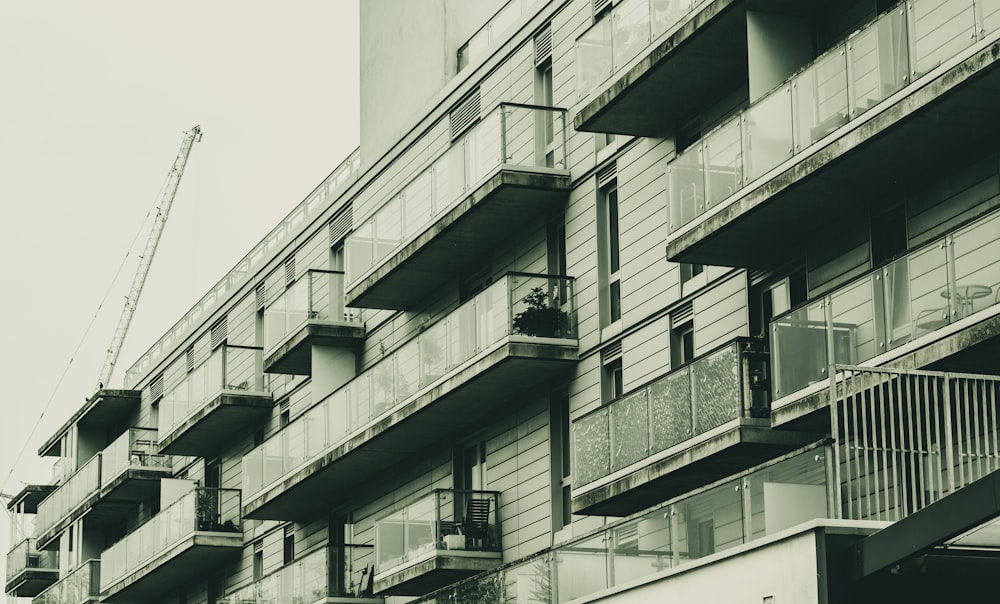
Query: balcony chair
column 476, row 525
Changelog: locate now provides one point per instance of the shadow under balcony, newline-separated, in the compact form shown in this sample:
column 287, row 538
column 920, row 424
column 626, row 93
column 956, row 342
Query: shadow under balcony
column 640, row 69
column 189, row 537
column 309, row 313
column 105, row 410
column 446, row 382
column 699, row 423
column 839, row 139
column 214, row 402
column 501, row 176
column 437, row 540
column 107, row 487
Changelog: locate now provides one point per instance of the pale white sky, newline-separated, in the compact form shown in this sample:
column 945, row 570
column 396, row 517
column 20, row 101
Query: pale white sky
column 94, row 99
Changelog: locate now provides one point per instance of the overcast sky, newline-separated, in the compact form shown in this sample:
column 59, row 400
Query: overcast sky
column 94, row 99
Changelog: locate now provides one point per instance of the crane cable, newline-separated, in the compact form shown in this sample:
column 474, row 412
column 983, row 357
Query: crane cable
column 83, row 338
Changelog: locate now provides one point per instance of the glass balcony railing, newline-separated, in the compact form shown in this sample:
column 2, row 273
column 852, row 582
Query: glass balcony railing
column 885, row 56
column 621, row 34
column 316, row 296
column 305, row 213
column 200, row 510
column 79, row 586
column 751, row 506
column 313, row 578
column 76, row 489
column 942, row 282
column 518, row 305
column 685, row 403
column 512, row 135
column 444, row 520
column 493, row 32
column 26, row 556
column 136, row 449
column 230, row 368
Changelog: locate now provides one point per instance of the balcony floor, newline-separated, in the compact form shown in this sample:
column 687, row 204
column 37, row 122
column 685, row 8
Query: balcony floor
column 211, row 427
column 739, row 445
column 860, row 166
column 462, row 237
column 178, row 565
column 440, row 570
column 294, row 355
column 442, row 414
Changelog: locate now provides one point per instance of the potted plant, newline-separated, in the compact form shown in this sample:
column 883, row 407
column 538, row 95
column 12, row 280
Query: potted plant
column 207, row 510
column 539, row 319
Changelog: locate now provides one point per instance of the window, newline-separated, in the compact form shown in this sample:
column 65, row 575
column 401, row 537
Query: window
column 682, row 344
column 559, row 437
column 609, row 252
column 888, row 236
column 258, row 560
column 545, row 127
column 689, row 271
column 289, row 545
column 612, row 375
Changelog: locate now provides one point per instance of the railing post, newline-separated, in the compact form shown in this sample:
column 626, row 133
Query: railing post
column 833, row 490
column 949, row 452
column 503, row 133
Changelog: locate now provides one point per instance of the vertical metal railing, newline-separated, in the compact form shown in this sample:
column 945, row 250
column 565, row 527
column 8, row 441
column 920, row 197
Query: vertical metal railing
column 906, row 438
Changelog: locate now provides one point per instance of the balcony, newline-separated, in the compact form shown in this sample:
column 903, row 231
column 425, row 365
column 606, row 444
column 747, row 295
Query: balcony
column 341, row 575
column 106, row 409
column 445, row 382
column 937, row 299
column 214, row 402
column 187, row 538
column 697, row 424
column 107, row 487
column 30, row 570
column 78, row 587
column 495, row 32
column 309, row 313
column 437, row 540
column 507, row 171
column 899, row 99
column 748, row 508
column 647, row 63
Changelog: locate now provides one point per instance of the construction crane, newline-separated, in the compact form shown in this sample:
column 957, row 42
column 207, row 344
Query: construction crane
column 162, row 211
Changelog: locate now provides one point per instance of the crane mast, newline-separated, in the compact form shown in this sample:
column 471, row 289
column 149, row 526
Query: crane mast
column 162, row 211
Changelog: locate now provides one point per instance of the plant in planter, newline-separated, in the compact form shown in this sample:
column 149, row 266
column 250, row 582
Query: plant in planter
column 207, row 510
column 539, row 319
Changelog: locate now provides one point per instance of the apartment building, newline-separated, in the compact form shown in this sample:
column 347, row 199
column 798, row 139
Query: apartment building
column 646, row 300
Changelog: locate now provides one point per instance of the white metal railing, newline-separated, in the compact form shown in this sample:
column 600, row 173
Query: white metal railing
column 907, row 438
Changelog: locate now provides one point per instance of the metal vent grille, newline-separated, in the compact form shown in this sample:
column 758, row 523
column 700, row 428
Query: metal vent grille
column 607, row 175
column 612, row 353
column 600, row 6
column 543, row 45
column 156, row 388
column 341, row 224
column 464, row 115
column 220, row 331
column 260, row 295
column 290, row 271
column 189, row 358
column 682, row 314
